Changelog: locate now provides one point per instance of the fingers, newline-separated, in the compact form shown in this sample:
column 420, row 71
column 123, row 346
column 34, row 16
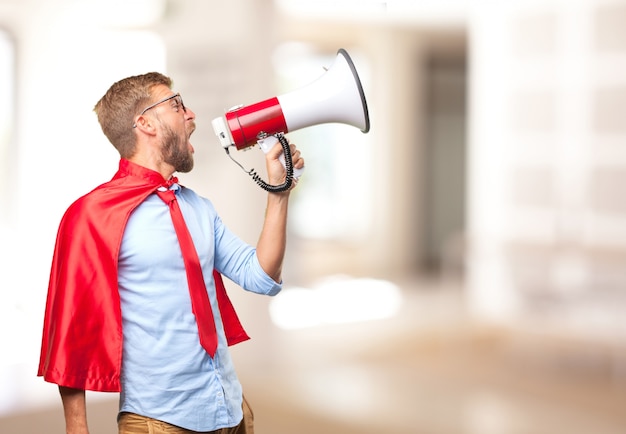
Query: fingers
column 296, row 158
column 275, row 151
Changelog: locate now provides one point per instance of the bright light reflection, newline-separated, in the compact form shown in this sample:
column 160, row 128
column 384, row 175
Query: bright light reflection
column 335, row 300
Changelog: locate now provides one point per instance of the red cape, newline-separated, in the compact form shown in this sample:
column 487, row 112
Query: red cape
column 82, row 331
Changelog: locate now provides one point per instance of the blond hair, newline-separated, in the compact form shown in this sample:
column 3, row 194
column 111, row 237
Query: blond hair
column 119, row 106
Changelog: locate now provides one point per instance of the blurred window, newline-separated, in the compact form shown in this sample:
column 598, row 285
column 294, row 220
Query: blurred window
column 7, row 117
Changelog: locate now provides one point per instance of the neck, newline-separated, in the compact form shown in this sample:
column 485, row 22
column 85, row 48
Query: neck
column 154, row 163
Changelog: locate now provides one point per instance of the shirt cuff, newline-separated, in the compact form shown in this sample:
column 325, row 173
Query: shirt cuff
column 267, row 285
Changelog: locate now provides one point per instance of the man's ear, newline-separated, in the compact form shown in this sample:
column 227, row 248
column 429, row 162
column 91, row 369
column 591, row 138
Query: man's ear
column 145, row 125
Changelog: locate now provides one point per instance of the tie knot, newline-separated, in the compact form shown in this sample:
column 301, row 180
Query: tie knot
column 173, row 180
column 166, row 196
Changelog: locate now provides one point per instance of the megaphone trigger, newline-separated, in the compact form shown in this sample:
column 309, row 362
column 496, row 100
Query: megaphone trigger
column 267, row 143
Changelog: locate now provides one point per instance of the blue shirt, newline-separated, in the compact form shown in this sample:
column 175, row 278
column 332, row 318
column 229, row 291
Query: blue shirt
column 166, row 374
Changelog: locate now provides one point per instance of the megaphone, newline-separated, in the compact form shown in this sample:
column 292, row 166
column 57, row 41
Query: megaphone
column 335, row 97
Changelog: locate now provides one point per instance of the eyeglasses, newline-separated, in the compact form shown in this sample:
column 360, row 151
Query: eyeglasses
column 176, row 97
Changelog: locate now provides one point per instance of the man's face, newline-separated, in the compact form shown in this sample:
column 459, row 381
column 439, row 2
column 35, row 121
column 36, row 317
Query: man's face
column 177, row 125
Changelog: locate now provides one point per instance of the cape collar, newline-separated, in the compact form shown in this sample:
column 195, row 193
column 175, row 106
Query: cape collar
column 128, row 168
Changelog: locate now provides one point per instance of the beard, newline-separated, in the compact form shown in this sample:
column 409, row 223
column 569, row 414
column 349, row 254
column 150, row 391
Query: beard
column 175, row 152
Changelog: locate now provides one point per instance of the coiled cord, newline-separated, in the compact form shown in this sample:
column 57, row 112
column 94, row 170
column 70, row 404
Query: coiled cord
column 288, row 168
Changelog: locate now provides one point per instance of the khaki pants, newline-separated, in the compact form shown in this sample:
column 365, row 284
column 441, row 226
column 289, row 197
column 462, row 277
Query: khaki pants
column 130, row 423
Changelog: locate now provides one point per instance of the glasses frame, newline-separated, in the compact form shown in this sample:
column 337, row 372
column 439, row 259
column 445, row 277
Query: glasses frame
column 176, row 95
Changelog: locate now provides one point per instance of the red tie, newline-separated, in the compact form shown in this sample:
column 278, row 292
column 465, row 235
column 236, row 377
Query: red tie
column 197, row 288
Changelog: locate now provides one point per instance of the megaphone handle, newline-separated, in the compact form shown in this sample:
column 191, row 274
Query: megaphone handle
column 268, row 143
column 287, row 164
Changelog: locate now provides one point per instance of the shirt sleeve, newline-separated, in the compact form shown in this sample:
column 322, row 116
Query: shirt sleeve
column 238, row 261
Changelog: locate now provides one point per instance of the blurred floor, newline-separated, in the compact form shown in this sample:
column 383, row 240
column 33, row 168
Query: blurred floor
column 427, row 370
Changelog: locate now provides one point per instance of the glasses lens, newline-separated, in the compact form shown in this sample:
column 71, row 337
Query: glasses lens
column 179, row 101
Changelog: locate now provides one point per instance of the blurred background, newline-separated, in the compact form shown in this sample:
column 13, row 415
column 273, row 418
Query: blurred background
column 459, row 269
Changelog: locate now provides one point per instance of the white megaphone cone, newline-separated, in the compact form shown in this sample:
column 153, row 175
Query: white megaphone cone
column 336, row 97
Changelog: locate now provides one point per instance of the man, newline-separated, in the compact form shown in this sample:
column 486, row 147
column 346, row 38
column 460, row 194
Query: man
column 123, row 313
